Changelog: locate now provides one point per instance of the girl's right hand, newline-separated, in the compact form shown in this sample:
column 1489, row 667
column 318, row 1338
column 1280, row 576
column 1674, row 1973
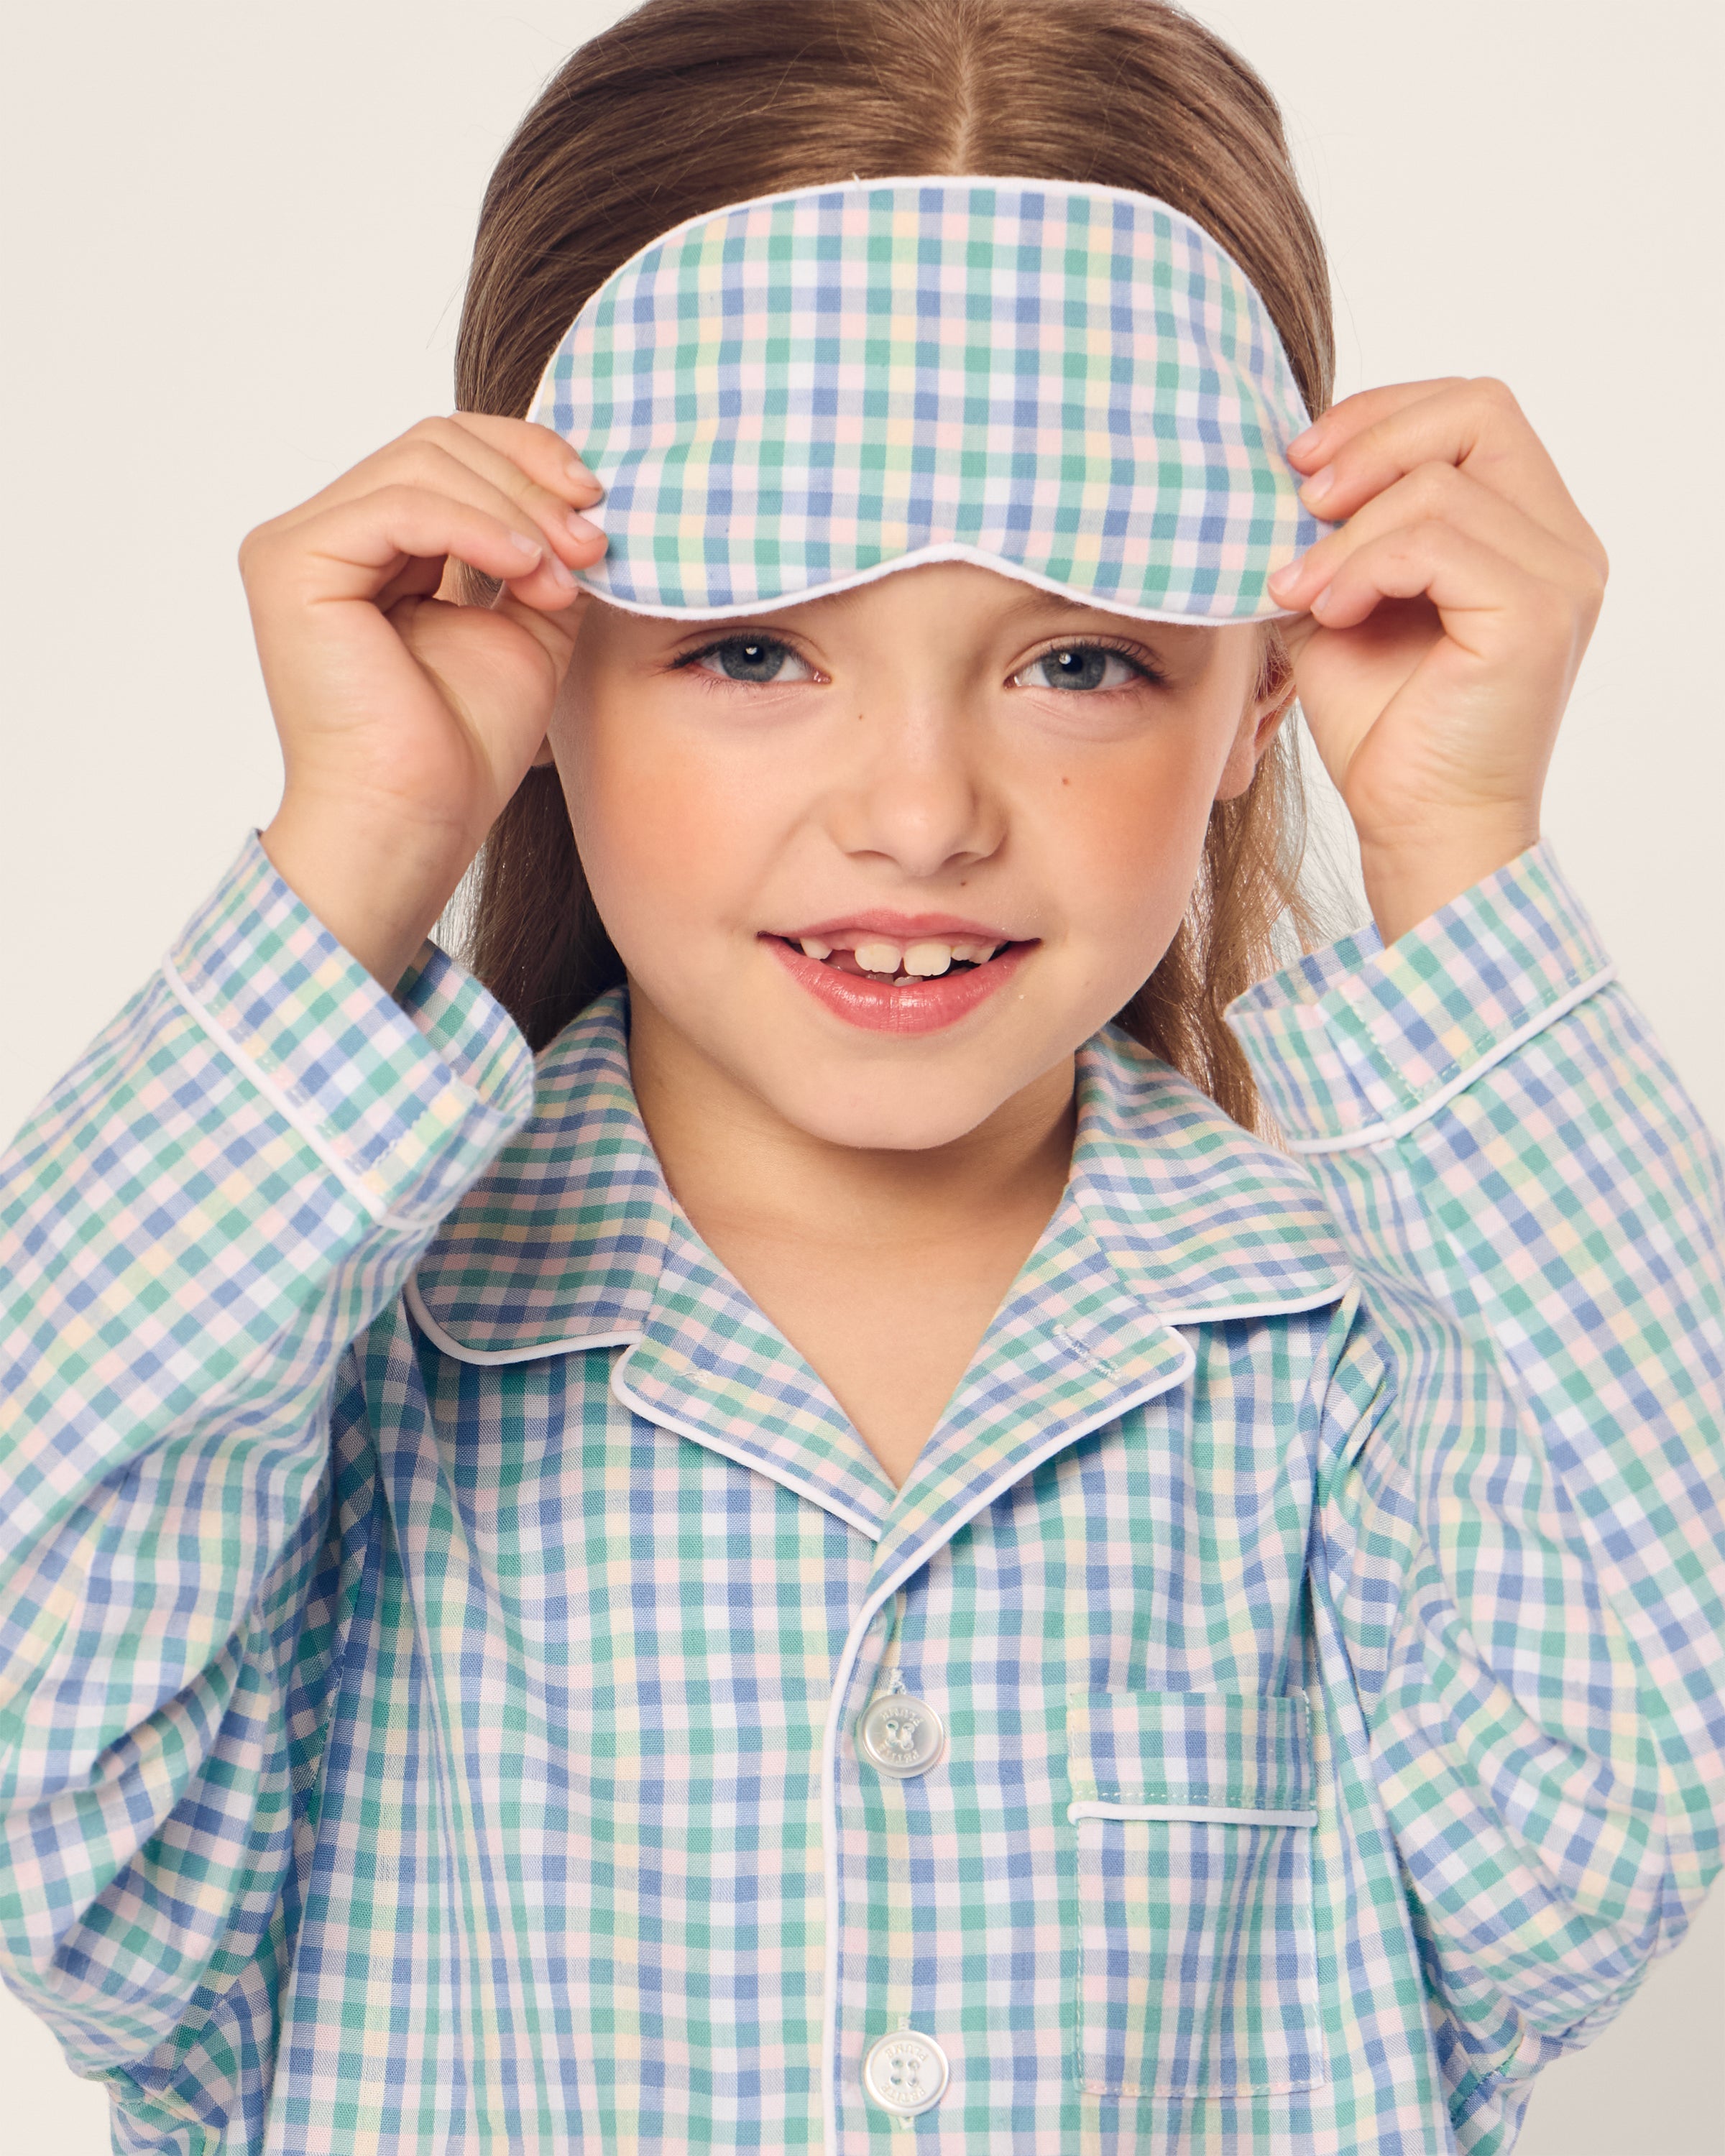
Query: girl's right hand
column 406, row 720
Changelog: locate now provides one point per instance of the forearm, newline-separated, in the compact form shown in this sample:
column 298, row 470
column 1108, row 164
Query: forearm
column 1538, row 1213
column 204, row 1214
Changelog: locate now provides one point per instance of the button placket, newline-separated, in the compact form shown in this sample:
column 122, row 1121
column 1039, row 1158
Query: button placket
column 898, row 1738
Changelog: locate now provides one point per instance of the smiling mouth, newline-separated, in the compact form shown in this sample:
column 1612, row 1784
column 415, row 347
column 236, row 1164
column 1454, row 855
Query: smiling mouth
column 909, row 983
column 897, row 962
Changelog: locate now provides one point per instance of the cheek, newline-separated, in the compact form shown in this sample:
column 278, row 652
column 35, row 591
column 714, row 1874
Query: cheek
column 634, row 815
column 671, row 837
column 1131, row 832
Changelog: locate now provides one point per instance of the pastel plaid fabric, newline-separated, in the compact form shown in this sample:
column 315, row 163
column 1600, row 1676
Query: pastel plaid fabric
column 438, row 1605
column 1073, row 384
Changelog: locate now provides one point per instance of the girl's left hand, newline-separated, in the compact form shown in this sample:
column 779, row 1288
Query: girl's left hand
column 1442, row 629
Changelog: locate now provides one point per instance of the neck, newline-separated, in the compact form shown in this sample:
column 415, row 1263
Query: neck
column 736, row 1166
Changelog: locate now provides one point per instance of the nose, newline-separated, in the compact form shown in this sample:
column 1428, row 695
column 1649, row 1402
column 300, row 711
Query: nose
column 913, row 789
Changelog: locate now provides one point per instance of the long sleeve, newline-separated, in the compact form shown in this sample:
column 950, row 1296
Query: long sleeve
column 206, row 1210
column 1520, row 1552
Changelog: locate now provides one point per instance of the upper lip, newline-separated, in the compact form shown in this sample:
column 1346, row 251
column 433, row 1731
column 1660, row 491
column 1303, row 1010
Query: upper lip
column 902, row 927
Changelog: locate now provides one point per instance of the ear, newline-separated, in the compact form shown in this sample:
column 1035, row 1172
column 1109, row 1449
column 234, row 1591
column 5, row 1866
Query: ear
column 1271, row 701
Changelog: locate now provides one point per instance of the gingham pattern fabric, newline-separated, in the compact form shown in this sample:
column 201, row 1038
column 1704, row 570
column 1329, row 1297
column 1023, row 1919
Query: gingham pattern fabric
column 1073, row 384
column 427, row 1713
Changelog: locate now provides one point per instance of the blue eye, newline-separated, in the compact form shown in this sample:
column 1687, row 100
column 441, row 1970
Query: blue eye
column 758, row 659
column 1080, row 666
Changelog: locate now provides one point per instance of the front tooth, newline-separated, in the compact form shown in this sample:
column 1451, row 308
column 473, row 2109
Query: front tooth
column 813, row 947
column 925, row 960
column 879, row 957
column 975, row 954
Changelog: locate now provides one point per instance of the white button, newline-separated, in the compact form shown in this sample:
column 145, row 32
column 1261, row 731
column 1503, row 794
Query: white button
column 902, row 1735
column 906, row 2073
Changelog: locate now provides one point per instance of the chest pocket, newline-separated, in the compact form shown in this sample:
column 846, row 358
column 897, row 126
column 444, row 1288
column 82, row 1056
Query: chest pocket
column 1198, row 1969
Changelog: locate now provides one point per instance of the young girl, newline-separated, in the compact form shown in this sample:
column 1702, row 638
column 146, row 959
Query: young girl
column 858, row 1557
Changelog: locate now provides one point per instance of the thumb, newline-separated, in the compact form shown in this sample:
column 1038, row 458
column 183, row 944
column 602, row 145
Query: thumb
column 555, row 633
column 1297, row 633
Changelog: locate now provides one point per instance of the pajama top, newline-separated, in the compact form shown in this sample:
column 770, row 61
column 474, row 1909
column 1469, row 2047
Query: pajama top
column 466, row 1687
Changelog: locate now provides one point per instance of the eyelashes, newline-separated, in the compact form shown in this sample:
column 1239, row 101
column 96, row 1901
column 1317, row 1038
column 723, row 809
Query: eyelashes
column 746, row 657
column 1081, row 668
column 751, row 658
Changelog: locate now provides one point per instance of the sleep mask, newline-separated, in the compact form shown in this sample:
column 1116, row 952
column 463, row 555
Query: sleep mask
column 1073, row 385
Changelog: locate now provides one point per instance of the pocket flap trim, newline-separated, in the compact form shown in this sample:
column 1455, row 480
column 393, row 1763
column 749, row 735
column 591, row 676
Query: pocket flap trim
column 1191, row 1755
column 1216, row 1815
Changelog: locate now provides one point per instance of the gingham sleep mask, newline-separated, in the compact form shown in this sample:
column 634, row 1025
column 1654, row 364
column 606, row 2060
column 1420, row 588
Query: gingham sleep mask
column 1074, row 385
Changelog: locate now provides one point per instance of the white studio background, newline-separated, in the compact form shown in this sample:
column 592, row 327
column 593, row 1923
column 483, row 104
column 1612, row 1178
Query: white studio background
column 234, row 266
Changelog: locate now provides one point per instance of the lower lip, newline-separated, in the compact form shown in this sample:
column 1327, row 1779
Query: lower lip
column 919, row 1007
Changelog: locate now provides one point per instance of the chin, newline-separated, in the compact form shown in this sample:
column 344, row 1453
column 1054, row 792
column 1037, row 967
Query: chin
column 875, row 1108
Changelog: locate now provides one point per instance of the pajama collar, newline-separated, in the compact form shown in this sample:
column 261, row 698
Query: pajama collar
column 565, row 1243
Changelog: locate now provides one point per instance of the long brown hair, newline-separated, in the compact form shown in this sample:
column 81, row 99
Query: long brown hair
column 686, row 105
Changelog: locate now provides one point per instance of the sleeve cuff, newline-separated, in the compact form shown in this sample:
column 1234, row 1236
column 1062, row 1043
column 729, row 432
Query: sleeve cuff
column 1350, row 1042
column 408, row 1097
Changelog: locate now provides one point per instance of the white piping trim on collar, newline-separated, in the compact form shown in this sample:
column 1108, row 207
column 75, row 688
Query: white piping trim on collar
column 847, row 1662
column 1221, row 1314
column 697, row 1435
column 489, row 1357
column 1398, row 1127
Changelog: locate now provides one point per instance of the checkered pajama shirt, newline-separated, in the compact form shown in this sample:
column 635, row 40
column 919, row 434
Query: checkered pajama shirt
column 436, row 1604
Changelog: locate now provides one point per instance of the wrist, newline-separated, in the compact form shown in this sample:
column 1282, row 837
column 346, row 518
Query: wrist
column 1407, row 883
column 378, row 893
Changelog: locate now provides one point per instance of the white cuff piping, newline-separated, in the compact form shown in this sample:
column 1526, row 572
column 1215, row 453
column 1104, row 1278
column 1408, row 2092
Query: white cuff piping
column 1398, row 1127
column 285, row 1104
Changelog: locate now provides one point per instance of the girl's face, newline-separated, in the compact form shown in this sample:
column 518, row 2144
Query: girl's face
column 882, row 860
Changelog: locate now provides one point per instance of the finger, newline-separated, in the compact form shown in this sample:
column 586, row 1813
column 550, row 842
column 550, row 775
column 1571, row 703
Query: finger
column 1484, row 600
column 1476, row 426
column 530, row 463
column 541, row 484
column 437, row 456
column 468, row 471
column 555, row 632
column 540, row 451
column 353, row 549
column 1446, row 493
column 1297, row 633
column 1352, row 415
column 414, row 579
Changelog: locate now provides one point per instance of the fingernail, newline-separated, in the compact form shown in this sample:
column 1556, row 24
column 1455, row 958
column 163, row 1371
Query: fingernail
column 1285, row 578
column 1318, row 486
column 523, row 543
column 1321, row 600
column 583, row 528
column 560, row 573
column 1305, row 439
column 581, row 476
